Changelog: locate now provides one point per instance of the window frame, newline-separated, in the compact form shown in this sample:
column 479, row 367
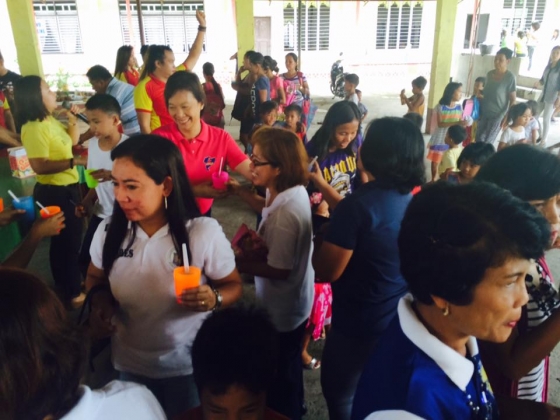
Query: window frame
column 318, row 36
column 392, row 24
column 170, row 9
column 58, row 11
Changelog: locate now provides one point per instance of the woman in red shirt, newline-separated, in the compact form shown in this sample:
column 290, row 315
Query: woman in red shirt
column 203, row 146
column 125, row 67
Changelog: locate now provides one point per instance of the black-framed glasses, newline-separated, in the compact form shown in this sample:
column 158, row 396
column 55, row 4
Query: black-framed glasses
column 257, row 163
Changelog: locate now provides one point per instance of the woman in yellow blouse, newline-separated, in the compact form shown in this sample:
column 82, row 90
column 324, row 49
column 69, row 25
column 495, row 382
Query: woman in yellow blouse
column 49, row 147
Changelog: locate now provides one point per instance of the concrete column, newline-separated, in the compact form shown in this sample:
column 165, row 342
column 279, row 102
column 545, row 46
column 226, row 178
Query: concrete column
column 442, row 57
column 245, row 25
column 22, row 19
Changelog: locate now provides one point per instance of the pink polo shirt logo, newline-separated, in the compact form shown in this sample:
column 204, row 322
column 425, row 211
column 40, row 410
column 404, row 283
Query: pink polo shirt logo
column 209, row 161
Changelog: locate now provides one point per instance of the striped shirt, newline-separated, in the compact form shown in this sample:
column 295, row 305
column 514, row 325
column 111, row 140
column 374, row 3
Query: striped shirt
column 446, row 115
column 543, row 300
column 124, row 94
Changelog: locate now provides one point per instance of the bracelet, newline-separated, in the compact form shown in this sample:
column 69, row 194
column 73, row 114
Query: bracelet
column 201, row 28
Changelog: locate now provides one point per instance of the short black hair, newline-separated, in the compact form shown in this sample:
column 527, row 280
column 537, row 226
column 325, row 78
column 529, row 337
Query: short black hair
column 98, row 72
column 457, row 134
column 506, row 52
column 393, row 152
column 249, row 340
column 103, row 102
column 528, row 171
column 29, row 100
column 144, row 49
column 476, row 153
column 451, row 234
column 293, row 108
column 415, row 117
column 184, row 81
column 267, row 107
column 480, row 79
column 517, row 111
column 420, row 82
column 352, row 78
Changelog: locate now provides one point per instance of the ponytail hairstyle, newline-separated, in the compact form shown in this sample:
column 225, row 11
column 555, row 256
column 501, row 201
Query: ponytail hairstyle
column 160, row 159
column 270, row 64
column 156, row 53
column 208, row 70
column 448, row 93
column 123, row 57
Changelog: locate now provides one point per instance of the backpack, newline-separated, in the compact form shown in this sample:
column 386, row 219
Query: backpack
column 213, row 111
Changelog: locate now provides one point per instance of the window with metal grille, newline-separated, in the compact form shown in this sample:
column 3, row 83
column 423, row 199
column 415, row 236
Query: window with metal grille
column 519, row 14
column 315, row 25
column 399, row 25
column 58, row 27
column 170, row 23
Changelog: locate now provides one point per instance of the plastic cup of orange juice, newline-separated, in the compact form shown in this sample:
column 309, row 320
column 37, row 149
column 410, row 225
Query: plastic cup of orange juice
column 185, row 281
column 52, row 210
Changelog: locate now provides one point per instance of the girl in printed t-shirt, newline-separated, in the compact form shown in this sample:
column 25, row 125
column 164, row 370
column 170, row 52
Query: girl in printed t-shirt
column 336, row 146
column 519, row 115
column 449, row 112
column 151, row 328
column 277, row 92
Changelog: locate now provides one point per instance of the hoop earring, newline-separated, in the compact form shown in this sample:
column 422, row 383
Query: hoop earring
column 445, row 311
column 165, row 202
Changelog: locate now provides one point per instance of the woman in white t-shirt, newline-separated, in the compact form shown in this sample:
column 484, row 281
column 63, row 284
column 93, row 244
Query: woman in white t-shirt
column 44, row 356
column 519, row 115
column 285, row 281
column 130, row 278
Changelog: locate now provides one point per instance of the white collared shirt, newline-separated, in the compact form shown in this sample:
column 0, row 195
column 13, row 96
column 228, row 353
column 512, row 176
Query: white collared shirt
column 287, row 230
column 153, row 332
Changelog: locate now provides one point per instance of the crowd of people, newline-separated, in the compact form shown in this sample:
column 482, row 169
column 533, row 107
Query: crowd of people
column 435, row 298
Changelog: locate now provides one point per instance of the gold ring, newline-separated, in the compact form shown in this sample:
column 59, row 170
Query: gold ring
column 202, row 303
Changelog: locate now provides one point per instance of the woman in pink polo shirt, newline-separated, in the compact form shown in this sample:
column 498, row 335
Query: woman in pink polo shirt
column 203, row 146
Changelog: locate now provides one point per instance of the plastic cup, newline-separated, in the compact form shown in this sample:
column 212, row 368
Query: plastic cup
column 219, row 180
column 1, row 204
column 91, row 182
column 27, row 204
column 184, row 280
column 52, row 210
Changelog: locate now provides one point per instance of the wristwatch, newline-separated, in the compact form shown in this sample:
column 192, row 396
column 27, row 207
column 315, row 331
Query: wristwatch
column 219, row 299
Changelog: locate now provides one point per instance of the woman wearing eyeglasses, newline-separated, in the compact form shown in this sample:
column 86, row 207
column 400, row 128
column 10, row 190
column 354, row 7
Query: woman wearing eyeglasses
column 203, row 146
column 284, row 281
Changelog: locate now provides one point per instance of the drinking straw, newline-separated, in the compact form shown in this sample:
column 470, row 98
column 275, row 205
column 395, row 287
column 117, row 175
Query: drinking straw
column 221, row 163
column 13, row 196
column 185, row 258
column 43, row 207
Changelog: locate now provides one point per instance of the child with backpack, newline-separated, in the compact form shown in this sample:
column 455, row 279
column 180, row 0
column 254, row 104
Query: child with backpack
column 213, row 112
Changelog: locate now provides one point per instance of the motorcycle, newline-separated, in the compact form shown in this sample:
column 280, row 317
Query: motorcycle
column 337, row 78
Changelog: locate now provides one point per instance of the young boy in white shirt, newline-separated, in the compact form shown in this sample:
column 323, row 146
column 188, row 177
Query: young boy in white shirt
column 454, row 138
column 103, row 112
column 351, row 82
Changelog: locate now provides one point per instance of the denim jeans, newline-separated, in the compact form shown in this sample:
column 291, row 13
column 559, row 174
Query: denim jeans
column 344, row 359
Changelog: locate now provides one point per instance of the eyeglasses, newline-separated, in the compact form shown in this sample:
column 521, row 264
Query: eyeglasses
column 256, row 163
